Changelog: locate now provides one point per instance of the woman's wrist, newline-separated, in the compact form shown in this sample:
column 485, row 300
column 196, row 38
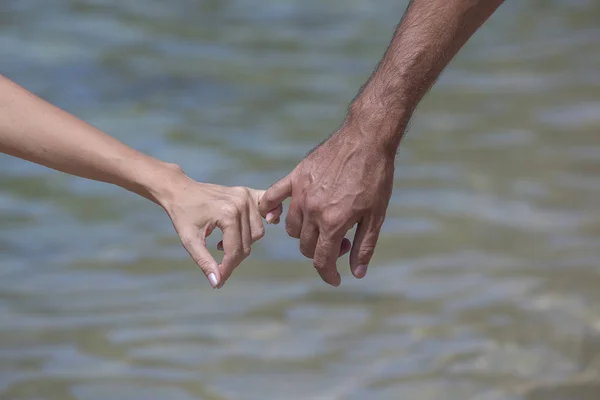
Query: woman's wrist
column 158, row 181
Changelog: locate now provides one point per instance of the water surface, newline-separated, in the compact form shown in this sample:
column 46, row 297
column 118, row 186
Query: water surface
column 486, row 281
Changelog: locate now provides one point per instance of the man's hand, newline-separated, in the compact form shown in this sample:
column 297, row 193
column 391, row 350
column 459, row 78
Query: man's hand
column 347, row 180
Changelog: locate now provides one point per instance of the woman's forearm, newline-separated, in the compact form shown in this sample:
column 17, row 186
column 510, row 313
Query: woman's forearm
column 32, row 129
column 35, row 130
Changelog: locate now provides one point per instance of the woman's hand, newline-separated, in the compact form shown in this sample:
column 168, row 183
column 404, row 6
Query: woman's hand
column 196, row 209
column 58, row 140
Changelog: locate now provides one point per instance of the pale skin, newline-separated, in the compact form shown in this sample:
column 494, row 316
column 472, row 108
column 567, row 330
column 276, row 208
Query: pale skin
column 347, row 180
column 34, row 130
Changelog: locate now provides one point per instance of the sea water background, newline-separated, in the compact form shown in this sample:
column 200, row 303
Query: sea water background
column 486, row 281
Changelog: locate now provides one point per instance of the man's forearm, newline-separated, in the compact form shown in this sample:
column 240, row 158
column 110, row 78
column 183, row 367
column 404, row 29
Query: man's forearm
column 35, row 130
column 428, row 37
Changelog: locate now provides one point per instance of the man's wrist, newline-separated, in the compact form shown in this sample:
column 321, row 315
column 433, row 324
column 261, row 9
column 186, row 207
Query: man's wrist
column 378, row 122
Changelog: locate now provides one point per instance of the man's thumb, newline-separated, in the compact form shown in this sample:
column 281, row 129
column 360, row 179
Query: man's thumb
column 274, row 196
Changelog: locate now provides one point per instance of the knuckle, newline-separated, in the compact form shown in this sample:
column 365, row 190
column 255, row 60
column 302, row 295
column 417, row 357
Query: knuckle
column 187, row 241
column 313, row 205
column 243, row 194
column 230, row 210
column 237, row 253
column 240, row 191
column 240, row 203
column 365, row 253
column 331, row 219
column 203, row 264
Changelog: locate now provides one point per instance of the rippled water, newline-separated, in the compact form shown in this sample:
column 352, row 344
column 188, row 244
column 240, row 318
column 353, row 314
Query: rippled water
column 486, row 282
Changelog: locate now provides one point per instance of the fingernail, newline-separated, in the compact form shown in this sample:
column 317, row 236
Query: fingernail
column 337, row 281
column 270, row 217
column 361, row 271
column 212, row 278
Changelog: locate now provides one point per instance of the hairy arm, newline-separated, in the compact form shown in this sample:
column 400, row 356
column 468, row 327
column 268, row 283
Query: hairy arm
column 428, row 37
column 34, row 130
column 348, row 179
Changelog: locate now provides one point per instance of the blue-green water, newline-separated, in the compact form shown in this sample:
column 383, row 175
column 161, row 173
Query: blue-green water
column 486, row 282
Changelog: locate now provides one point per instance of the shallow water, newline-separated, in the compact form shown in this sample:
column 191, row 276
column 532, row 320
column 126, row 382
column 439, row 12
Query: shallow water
column 486, row 281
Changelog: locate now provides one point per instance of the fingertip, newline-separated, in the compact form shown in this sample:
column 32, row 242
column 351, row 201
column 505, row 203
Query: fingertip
column 274, row 215
column 203, row 259
column 330, row 276
column 360, row 271
column 220, row 246
column 214, row 281
column 273, row 196
column 336, row 280
column 271, row 217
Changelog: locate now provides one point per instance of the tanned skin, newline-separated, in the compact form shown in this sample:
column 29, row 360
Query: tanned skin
column 348, row 179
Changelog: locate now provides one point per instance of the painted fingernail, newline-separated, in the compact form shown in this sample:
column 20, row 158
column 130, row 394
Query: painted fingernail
column 212, row 278
column 361, row 271
column 270, row 217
